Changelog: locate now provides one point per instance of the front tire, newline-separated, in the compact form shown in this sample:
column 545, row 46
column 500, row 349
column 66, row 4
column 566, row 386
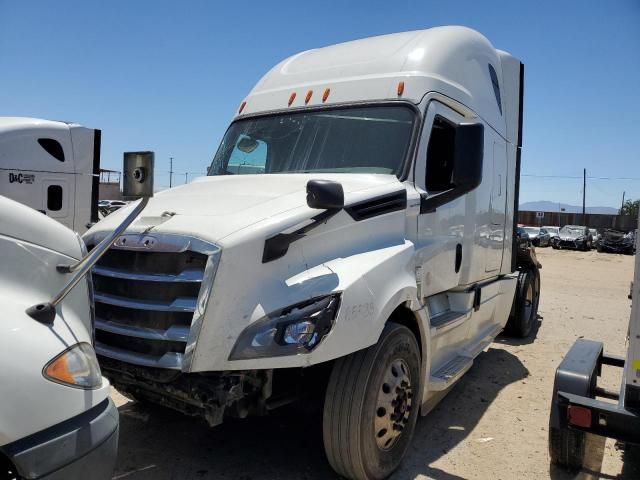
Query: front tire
column 371, row 406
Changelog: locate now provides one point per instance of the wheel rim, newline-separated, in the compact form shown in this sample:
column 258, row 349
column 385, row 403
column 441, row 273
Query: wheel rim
column 394, row 404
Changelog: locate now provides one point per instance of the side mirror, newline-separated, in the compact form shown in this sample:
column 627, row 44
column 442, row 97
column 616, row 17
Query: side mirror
column 468, row 155
column 137, row 172
column 325, row 194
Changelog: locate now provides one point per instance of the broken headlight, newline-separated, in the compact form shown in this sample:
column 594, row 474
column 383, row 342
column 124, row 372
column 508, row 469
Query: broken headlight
column 292, row 330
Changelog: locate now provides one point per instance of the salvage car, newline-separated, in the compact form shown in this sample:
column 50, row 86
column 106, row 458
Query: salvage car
column 552, row 231
column 616, row 241
column 539, row 236
column 595, row 236
column 574, row 237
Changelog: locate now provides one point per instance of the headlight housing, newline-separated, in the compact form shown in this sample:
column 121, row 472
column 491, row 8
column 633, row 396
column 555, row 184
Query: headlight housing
column 75, row 367
column 296, row 329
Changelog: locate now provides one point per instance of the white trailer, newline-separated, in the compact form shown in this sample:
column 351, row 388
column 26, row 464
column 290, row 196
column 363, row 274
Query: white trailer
column 52, row 167
column 354, row 241
column 579, row 406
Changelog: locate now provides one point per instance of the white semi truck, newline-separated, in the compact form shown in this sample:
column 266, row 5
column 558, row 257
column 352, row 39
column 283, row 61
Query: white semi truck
column 53, row 167
column 56, row 418
column 354, row 240
column 57, row 421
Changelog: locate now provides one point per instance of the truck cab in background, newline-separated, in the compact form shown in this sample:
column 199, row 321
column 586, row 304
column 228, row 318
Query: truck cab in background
column 52, row 167
column 354, row 240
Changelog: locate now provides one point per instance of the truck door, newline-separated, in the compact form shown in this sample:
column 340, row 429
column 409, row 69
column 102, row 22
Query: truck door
column 497, row 206
column 58, row 198
column 441, row 232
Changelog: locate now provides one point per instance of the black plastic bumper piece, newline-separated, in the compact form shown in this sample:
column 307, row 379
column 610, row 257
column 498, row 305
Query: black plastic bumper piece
column 82, row 447
column 607, row 419
column 577, row 374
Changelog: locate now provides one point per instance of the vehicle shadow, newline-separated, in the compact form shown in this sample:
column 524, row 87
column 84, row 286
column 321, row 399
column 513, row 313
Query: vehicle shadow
column 156, row 443
column 462, row 409
column 514, row 341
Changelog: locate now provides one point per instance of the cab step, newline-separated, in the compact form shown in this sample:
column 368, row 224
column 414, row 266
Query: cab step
column 450, row 372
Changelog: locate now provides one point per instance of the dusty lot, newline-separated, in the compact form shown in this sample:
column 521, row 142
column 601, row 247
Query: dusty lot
column 493, row 424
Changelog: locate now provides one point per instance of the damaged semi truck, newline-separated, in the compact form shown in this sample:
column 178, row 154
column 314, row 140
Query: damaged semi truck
column 354, row 240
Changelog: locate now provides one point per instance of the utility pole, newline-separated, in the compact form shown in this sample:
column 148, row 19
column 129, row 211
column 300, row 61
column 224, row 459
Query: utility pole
column 170, row 171
column 622, row 204
column 584, row 196
column 186, row 177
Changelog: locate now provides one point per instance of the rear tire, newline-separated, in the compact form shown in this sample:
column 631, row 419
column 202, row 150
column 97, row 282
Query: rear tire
column 371, row 406
column 524, row 311
column 566, row 447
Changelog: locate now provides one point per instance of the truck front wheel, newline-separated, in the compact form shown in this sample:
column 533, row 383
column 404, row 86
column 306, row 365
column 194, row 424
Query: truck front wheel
column 371, row 406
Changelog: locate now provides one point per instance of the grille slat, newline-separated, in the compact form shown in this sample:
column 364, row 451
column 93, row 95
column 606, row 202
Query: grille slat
column 189, row 275
column 146, row 300
column 175, row 333
column 180, row 304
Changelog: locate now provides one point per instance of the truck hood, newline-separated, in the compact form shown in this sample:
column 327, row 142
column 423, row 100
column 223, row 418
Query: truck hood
column 224, row 205
column 24, row 223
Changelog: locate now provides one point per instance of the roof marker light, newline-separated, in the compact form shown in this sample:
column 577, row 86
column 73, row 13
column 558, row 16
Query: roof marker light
column 400, row 88
column 325, row 95
column 292, row 97
column 242, row 105
column 308, row 97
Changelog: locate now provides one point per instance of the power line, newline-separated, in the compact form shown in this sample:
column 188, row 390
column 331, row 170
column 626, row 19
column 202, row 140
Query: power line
column 576, row 177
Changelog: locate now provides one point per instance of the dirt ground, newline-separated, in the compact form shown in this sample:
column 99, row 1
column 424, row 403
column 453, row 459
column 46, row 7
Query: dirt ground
column 492, row 425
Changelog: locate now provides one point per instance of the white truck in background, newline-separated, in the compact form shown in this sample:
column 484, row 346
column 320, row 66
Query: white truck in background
column 52, row 167
column 354, row 240
column 57, row 421
column 56, row 418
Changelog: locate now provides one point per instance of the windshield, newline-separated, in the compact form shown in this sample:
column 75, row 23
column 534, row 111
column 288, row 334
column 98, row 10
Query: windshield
column 346, row 140
column 532, row 230
column 551, row 229
column 571, row 231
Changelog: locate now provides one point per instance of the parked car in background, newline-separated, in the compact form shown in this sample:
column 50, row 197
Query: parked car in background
column 594, row 236
column 539, row 236
column 522, row 237
column 616, row 241
column 576, row 237
column 552, row 231
column 105, row 207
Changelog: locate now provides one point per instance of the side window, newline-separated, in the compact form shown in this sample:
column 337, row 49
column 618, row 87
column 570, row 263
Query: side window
column 52, row 147
column 54, row 198
column 440, row 156
column 248, row 156
column 496, row 86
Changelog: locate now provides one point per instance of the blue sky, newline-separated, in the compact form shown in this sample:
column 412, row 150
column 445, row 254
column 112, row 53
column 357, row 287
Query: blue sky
column 168, row 76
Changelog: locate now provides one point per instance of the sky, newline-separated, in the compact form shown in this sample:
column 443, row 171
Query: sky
column 168, row 76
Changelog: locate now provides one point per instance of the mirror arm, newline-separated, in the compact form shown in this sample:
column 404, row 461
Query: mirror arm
column 46, row 312
column 429, row 203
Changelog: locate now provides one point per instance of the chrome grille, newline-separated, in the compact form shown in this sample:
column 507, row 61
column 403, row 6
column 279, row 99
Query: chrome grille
column 150, row 292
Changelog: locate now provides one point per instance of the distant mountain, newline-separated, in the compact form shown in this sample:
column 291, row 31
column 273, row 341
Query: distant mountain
column 546, row 206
